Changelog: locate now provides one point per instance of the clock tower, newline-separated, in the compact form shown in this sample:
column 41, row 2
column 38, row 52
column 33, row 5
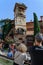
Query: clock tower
column 19, row 17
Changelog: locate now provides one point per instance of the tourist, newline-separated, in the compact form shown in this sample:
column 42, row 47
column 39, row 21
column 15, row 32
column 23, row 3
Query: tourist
column 10, row 54
column 20, row 55
column 36, row 51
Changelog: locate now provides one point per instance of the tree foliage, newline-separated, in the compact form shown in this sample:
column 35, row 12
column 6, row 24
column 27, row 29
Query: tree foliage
column 6, row 27
column 36, row 24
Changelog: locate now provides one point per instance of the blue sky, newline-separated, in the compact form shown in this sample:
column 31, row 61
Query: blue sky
column 7, row 6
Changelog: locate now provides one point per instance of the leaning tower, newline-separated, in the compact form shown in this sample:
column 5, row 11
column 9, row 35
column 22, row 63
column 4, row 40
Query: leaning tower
column 20, row 22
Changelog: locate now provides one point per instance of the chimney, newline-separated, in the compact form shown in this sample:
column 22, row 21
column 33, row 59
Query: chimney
column 41, row 17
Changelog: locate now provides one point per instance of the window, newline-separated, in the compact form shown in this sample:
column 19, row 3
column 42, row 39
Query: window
column 20, row 31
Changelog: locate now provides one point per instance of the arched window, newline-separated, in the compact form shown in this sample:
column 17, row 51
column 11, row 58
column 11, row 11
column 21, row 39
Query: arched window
column 20, row 31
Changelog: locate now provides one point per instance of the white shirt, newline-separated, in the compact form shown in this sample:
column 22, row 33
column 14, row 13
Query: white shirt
column 20, row 57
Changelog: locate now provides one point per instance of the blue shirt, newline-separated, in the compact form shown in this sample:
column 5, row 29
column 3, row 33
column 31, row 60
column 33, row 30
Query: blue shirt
column 10, row 54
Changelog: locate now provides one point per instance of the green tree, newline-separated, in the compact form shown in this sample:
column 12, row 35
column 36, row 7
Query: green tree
column 6, row 27
column 36, row 24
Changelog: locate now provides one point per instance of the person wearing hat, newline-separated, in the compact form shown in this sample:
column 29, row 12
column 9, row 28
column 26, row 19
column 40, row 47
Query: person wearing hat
column 36, row 51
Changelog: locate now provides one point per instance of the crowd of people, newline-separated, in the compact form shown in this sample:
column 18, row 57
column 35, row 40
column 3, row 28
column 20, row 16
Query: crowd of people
column 15, row 51
column 19, row 52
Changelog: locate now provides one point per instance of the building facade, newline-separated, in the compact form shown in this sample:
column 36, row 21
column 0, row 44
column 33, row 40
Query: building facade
column 30, row 27
column 30, row 31
column 20, row 22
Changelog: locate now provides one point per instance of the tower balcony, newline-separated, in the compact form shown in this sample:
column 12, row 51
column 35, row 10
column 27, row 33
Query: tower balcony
column 21, row 14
